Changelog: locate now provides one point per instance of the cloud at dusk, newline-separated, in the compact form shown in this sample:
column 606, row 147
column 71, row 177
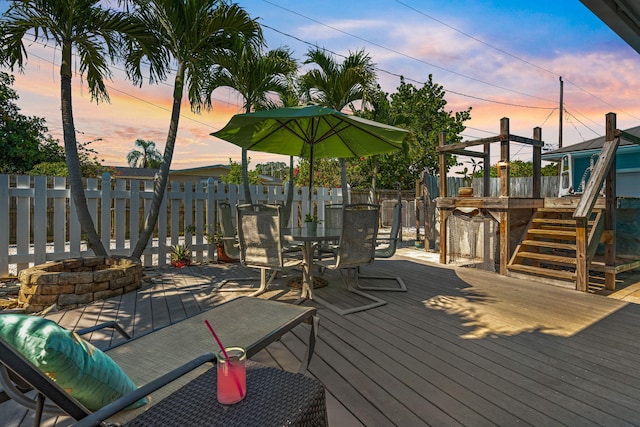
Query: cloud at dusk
column 501, row 58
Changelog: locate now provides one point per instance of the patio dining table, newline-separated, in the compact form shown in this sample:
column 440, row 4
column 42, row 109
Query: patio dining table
column 301, row 234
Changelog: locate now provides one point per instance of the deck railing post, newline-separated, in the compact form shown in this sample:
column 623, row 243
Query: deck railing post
column 582, row 260
column 610, row 211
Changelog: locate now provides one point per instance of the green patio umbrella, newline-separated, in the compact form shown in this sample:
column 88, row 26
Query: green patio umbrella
column 311, row 132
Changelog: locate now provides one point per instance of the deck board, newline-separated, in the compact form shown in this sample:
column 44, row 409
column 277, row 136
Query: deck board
column 461, row 347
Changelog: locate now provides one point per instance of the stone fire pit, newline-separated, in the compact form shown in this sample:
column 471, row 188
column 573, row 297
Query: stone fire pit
column 73, row 282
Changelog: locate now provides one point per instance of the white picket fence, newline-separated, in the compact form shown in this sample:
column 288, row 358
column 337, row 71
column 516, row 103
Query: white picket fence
column 38, row 222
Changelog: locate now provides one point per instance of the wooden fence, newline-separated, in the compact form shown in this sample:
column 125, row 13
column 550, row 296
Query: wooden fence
column 38, row 222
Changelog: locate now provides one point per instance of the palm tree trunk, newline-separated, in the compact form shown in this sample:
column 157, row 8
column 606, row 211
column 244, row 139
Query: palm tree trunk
column 343, row 182
column 289, row 202
column 373, row 196
column 73, row 162
column 245, row 177
column 245, row 164
column 161, row 183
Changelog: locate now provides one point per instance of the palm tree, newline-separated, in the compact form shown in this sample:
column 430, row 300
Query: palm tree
column 194, row 35
column 337, row 85
column 147, row 157
column 290, row 95
column 254, row 75
column 94, row 33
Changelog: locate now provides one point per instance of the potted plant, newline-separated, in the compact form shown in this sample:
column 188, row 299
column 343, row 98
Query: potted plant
column 216, row 239
column 467, row 178
column 311, row 222
column 216, row 243
column 180, row 255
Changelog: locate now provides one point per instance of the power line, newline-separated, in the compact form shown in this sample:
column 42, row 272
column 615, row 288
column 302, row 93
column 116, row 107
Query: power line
column 511, row 104
column 512, row 56
column 476, row 39
column 569, row 115
column 404, row 54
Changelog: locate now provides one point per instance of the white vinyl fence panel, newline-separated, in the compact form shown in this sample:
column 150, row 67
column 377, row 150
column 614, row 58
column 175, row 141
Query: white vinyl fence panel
column 38, row 222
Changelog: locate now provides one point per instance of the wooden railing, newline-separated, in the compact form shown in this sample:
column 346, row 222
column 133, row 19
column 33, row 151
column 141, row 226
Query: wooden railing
column 586, row 243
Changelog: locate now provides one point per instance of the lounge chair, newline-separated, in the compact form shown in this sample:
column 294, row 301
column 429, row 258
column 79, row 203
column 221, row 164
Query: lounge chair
column 161, row 361
column 387, row 251
column 356, row 248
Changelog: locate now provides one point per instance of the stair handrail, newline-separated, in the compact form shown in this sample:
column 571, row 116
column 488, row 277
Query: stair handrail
column 601, row 170
column 598, row 175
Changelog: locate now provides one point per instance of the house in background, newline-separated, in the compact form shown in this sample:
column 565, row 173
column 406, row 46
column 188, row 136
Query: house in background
column 134, row 173
column 193, row 175
column 199, row 174
column 576, row 163
column 181, row 175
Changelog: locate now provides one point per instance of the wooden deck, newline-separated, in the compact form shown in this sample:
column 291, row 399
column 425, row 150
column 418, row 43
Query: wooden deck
column 461, row 347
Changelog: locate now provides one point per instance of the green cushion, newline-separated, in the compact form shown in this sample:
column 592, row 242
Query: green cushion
column 85, row 372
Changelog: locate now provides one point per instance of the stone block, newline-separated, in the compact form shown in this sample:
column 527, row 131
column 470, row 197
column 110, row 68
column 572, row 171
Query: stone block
column 72, row 263
column 107, row 294
column 83, row 288
column 76, row 277
column 123, row 281
column 24, row 298
column 25, row 275
column 28, row 289
column 44, row 278
column 93, row 261
column 106, row 275
column 45, row 300
column 54, row 267
column 132, row 269
column 56, row 289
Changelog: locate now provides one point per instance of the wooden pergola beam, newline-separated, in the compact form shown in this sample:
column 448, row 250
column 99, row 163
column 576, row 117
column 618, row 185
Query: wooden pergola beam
column 462, row 145
column 453, row 148
column 467, row 153
column 528, row 141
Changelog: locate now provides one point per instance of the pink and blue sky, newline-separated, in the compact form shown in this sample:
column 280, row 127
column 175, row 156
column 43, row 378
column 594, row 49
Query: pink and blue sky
column 503, row 58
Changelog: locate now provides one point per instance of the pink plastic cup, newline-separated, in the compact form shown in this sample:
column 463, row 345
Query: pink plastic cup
column 232, row 375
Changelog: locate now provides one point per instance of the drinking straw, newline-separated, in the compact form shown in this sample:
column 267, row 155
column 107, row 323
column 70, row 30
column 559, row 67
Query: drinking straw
column 226, row 356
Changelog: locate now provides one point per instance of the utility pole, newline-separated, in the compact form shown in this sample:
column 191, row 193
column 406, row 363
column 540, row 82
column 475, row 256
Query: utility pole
column 561, row 111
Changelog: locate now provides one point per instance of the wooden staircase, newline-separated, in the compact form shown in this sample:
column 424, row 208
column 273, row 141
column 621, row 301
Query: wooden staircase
column 548, row 249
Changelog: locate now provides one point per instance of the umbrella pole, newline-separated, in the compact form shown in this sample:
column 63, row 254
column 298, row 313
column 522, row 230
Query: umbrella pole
column 311, row 180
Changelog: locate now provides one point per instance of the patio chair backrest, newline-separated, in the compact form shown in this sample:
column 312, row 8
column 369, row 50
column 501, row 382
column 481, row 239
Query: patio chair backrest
column 259, row 236
column 358, row 236
column 389, row 250
column 17, row 372
column 228, row 230
column 333, row 215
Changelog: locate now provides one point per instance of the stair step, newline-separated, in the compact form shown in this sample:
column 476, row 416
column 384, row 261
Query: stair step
column 556, row 210
column 563, row 210
column 555, row 227
column 554, row 221
column 551, row 245
column 539, row 271
column 553, row 259
column 552, row 234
